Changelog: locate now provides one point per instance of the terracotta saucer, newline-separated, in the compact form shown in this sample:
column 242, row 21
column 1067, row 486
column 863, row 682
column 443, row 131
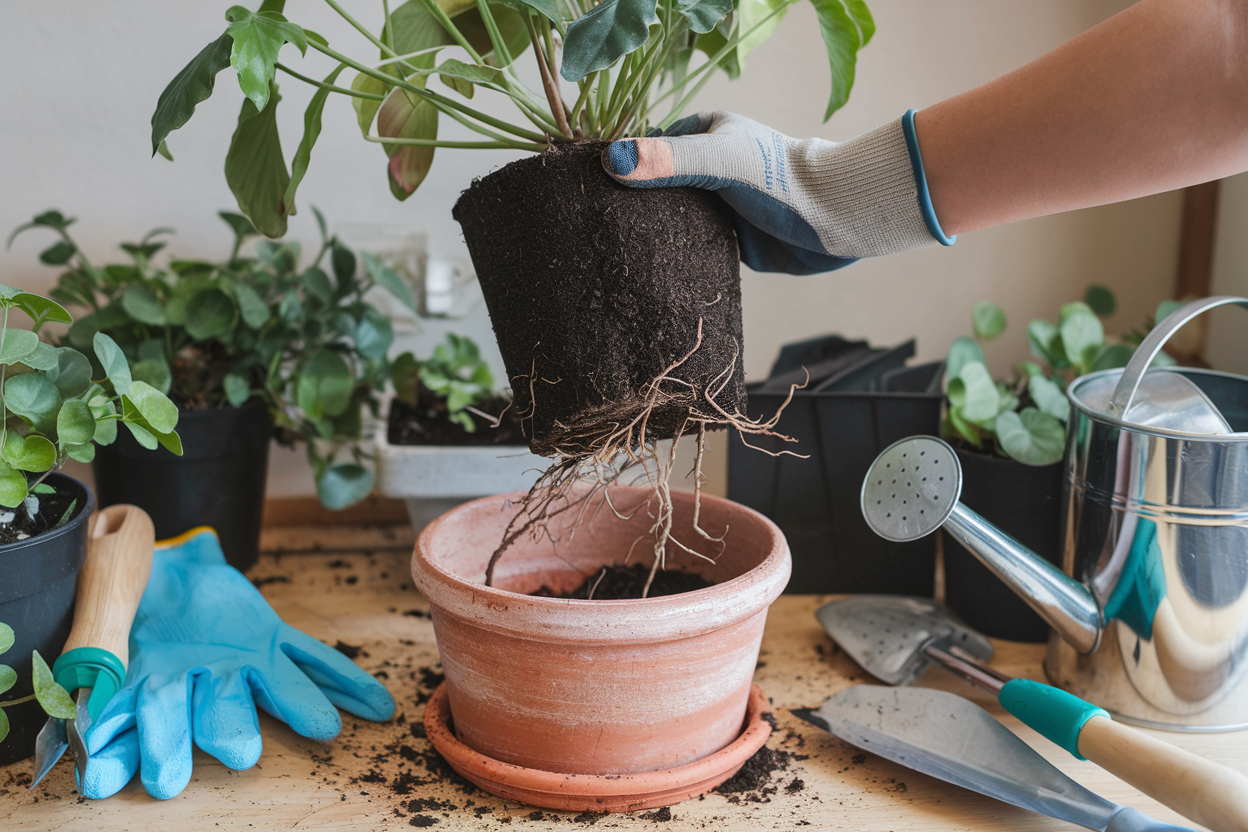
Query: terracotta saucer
column 596, row 792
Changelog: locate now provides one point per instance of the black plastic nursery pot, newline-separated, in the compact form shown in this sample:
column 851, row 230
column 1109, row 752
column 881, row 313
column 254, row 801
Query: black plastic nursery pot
column 839, row 432
column 218, row 481
column 1025, row 502
column 40, row 578
column 596, row 290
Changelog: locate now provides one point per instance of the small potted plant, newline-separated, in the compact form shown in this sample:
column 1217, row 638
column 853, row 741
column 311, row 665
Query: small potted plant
column 449, row 436
column 249, row 349
column 53, row 408
column 1010, row 437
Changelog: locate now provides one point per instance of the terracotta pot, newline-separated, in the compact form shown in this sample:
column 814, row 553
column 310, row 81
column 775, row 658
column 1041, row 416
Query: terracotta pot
column 598, row 687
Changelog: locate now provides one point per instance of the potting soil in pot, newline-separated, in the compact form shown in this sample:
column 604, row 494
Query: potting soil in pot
column 429, row 423
column 618, row 582
column 52, row 509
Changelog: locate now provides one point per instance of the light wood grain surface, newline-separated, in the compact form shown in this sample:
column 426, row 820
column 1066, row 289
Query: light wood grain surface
column 357, row 591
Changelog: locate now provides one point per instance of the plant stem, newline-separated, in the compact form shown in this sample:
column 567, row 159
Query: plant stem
column 439, row 101
column 344, row 90
column 11, row 702
column 548, row 82
column 496, row 37
column 445, row 143
column 451, row 29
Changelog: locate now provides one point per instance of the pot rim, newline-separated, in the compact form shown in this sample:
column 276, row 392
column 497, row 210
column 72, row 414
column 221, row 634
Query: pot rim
column 83, row 516
column 1106, row 419
column 638, row 620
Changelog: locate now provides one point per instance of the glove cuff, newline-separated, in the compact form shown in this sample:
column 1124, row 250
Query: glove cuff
column 878, row 201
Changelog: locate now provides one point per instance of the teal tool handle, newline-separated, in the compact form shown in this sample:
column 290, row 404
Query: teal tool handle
column 1057, row 715
column 90, row 667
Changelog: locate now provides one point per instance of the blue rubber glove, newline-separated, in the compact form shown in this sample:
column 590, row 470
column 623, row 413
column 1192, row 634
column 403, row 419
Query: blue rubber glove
column 205, row 650
column 802, row 206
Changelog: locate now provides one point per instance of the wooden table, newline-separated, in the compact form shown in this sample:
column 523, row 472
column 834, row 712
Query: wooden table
column 353, row 587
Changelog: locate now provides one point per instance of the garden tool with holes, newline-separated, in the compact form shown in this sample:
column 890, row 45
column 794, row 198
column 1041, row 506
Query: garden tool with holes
column 93, row 663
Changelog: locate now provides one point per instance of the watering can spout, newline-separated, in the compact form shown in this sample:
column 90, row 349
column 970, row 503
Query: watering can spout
column 1064, row 603
column 912, row 489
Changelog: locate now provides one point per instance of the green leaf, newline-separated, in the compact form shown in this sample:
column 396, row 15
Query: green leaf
column 485, row 76
column 311, row 132
column 258, row 37
column 12, row 486
column 163, row 150
column 152, row 371
column 74, row 424
column 1041, row 336
column 846, row 26
column 32, row 453
column 1100, row 300
column 17, row 344
column 4, row 724
column 374, row 334
column 366, row 108
column 548, row 9
column 1083, row 337
column 1164, row 309
column 6, row 638
column 254, row 310
column 48, row 219
column 8, row 678
column 210, row 314
column 1049, row 397
column 1031, row 437
column 72, row 374
column 387, row 278
column 344, row 485
column 712, row 43
column 41, row 309
column 598, row 38
column 44, row 358
column 291, row 308
column 53, row 698
column 158, row 412
column 142, row 304
column 192, row 85
column 142, row 435
column 962, row 351
column 404, row 372
column 237, row 388
column 113, row 360
column 980, row 400
column 317, row 284
column 255, row 169
column 1114, row 357
column 34, row 398
column 704, row 14
column 344, row 267
column 57, row 254
column 240, row 225
column 399, row 118
column 81, row 453
column 987, row 320
column 325, row 385
column 751, row 13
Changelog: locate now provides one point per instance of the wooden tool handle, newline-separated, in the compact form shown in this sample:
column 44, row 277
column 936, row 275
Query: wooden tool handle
column 119, row 562
column 1202, row 790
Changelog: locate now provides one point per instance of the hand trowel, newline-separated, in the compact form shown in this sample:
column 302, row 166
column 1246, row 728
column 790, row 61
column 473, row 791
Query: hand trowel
column 953, row 739
column 93, row 662
column 897, row 638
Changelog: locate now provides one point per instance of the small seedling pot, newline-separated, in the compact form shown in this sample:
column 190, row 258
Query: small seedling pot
column 605, row 689
column 218, row 481
column 1024, row 501
column 38, row 580
column 433, row 479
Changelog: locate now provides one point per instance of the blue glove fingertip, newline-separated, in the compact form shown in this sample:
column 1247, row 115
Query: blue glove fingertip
column 621, row 157
column 110, row 768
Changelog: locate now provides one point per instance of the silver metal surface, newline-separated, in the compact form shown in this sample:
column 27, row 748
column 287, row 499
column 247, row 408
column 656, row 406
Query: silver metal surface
column 1166, row 399
column 887, row 634
column 911, row 488
column 78, row 727
column 50, row 746
column 966, row 666
column 945, row 736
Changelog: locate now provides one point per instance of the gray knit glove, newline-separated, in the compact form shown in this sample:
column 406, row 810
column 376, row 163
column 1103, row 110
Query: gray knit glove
column 802, row 205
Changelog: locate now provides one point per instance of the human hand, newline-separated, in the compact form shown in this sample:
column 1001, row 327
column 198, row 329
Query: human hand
column 205, row 649
column 802, row 206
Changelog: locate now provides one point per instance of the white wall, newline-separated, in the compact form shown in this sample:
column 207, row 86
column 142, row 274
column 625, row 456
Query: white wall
column 1227, row 344
column 84, row 78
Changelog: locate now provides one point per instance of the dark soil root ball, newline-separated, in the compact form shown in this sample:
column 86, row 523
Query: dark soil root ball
column 617, row 310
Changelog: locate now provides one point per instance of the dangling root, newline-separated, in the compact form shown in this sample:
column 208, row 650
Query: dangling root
column 602, row 445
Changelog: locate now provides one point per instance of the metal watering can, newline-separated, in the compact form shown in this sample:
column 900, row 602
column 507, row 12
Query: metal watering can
column 1150, row 608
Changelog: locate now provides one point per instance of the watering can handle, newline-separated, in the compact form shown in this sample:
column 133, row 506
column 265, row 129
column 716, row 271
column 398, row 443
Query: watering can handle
column 1152, row 344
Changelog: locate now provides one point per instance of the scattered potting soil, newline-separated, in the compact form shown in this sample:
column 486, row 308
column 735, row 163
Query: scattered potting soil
column 55, row 508
column 753, row 782
column 428, row 423
column 618, row 582
column 596, row 290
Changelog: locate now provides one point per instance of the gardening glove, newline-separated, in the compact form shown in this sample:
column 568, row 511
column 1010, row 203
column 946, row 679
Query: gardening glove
column 205, row 649
column 802, row 206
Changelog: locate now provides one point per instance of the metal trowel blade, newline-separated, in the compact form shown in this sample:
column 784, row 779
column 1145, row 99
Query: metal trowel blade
column 50, row 746
column 952, row 739
column 886, row 634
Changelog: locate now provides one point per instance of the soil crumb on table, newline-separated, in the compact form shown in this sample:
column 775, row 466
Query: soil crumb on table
column 618, row 582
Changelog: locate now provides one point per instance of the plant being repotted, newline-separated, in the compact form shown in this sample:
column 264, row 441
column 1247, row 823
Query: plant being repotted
column 1010, row 437
column 449, row 437
column 248, row 349
column 53, row 408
